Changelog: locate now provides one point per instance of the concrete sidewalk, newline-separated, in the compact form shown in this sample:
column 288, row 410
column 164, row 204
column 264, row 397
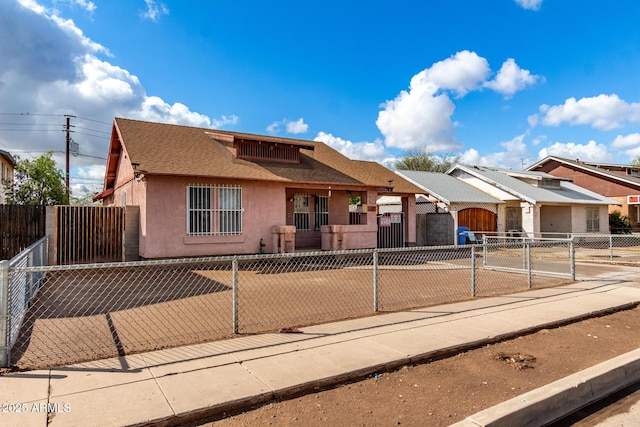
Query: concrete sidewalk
column 186, row 383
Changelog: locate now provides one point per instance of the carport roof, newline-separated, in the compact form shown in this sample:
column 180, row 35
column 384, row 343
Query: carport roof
column 513, row 183
column 447, row 188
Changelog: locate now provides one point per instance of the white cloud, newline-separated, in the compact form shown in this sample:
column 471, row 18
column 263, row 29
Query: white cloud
column 103, row 82
column 592, row 151
column 92, row 172
column 604, row 112
column 373, row 151
column 274, row 127
column 155, row 109
column 630, row 143
column 511, row 79
column 297, row 127
column 418, row 118
column 529, row 4
column 422, row 116
column 89, row 6
column 514, row 154
column 154, row 10
column 49, row 68
column 294, row 127
column 625, row 141
column 225, row 120
column 461, row 73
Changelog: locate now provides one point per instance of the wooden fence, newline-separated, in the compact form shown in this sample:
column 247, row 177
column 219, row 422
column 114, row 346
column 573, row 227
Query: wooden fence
column 20, row 226
column 88, row 234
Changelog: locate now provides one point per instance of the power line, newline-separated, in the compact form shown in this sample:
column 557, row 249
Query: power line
column 31, row 114
column 56, row 151
column 92, row 130
column 31, row 130
column 55, row 115
column 89, row 134
column 93, row 120
column 29, row 124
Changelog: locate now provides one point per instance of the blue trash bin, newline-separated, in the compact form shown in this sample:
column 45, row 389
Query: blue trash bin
column 463, row 232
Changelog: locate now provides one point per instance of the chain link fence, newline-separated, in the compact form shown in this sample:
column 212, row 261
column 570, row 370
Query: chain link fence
column 608, row 248
column 69, row 314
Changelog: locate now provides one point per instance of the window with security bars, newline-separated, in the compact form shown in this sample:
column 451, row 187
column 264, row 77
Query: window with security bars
column 301, row 212
column 214, row 210
column 320, row 211
column 593, row 220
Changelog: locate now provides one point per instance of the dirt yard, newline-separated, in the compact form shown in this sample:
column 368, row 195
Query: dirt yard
column 89, row 314
column 445, row 391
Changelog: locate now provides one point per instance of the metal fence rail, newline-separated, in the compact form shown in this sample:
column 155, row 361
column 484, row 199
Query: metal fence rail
column 16, row 294
column 88, row 312
column 608, row 248
column 530, row 255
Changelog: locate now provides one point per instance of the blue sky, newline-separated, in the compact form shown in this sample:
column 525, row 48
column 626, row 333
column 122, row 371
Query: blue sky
column 500, row 83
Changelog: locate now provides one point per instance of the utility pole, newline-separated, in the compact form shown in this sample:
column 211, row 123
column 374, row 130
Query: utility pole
column 68, row 132
column 67, row 151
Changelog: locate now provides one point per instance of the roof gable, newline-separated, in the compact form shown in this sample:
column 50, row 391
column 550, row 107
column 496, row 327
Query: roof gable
column 8, row 157
column 600, row 169
column 567, row 193
column 447, row 188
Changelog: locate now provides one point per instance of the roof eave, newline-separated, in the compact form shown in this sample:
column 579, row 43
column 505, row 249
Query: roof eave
column 496, row 184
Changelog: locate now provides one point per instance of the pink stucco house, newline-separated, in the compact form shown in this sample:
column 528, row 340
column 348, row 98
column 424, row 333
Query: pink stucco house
column 208, row 192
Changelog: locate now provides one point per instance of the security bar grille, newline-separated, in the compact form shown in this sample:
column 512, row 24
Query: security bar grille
column 214, row 210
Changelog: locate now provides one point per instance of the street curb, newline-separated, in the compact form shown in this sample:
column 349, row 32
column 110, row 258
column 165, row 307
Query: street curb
column 554, row 401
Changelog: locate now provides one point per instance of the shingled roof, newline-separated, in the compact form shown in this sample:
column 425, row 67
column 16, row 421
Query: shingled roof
column 601, row 169
column 168, row 149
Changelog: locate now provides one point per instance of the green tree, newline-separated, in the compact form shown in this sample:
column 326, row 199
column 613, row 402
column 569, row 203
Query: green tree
column 84, row 199
column 37, row 182
column 636, row 161
column 426, row 160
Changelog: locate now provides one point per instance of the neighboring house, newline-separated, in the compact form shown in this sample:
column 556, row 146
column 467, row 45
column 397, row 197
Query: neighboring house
column 464, row 205
column 211, row 192
column 7, row 164
column 538, row 203
column 618, row 182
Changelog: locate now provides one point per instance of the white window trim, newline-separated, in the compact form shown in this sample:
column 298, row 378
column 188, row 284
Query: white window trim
column 593, row 224
column 222, row 220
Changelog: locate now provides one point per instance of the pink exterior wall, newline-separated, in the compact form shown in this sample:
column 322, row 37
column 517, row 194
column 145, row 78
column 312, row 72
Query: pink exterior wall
column 164, row 233
column 163, row 213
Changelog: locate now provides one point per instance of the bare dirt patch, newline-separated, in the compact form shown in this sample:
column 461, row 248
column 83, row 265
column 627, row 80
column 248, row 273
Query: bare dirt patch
column 442, row 392
column 92, row 313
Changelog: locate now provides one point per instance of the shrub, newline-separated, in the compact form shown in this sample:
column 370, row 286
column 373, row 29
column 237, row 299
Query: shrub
column 618, row 223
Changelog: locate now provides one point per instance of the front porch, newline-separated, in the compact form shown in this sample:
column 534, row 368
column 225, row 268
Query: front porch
column 339, row 219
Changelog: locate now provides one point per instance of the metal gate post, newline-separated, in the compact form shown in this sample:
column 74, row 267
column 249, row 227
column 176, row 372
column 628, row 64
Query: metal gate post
column 375, row 280
column 234, row 287
column 611, row 249
column 572, row 258
column 529, row 282
column 473, row 270
column 4, row 314
column 30, row 264
column 484, row 250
